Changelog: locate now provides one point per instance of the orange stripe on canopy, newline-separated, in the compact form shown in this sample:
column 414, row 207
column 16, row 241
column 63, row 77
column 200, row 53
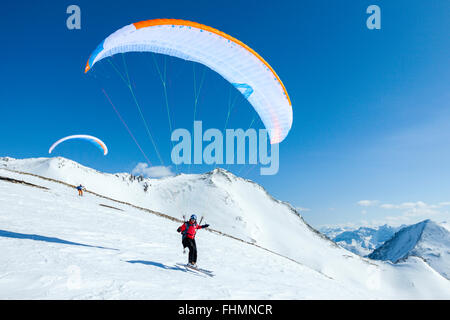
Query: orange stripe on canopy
column 178, row 22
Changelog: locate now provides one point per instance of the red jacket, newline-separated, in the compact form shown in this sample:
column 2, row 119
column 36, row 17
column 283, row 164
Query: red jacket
column 189, row 230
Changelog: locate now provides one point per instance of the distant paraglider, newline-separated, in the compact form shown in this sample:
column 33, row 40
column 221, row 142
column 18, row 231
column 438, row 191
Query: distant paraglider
column 96, row 141
column 245, row 69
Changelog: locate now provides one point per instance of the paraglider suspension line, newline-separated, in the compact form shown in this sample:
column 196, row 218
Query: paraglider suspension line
column 128, row 83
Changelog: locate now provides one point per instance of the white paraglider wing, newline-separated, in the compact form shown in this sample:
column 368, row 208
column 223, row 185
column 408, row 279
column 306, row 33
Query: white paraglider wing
column 96, row 141
column 235, row 61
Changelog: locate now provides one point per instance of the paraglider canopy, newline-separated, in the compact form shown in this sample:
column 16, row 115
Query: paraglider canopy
column 245, row 69
column 96, row 141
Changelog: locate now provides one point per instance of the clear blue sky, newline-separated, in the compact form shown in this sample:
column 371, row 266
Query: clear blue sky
column 371, row 107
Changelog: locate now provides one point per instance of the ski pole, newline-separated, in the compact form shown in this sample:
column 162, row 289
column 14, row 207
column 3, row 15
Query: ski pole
column 184, row 221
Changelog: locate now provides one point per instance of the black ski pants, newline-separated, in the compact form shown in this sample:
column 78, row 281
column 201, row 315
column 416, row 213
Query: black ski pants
column 190, row 243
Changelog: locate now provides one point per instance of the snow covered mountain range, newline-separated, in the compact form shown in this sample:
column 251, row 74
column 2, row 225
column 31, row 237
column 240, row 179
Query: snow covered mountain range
column 119, row 241
column 362, row 240
column 426, row 239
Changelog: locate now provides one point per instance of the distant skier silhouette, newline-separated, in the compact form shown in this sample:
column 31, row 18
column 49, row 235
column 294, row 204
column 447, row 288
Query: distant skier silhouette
column 188, row 230
column 80, row 189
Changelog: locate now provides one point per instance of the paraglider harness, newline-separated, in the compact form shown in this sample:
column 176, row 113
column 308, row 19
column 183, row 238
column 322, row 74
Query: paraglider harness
column 80, row 189
column 184, row 233
column 186, row 224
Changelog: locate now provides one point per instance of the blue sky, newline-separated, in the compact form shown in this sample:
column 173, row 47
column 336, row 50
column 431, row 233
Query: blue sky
column 371, row 107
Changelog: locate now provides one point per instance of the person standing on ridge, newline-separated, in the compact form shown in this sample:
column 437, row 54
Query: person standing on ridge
column 188, row 230
column 80, row 189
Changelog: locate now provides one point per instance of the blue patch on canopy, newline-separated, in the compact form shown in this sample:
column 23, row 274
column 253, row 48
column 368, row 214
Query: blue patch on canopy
column 95, row 53
column 244, row 88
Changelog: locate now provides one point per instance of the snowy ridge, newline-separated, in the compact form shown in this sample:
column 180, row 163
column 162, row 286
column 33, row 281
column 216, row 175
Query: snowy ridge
column 426, row 240
column 237, row 205
column 231, row 205
column 134, row 206
column 56, row 245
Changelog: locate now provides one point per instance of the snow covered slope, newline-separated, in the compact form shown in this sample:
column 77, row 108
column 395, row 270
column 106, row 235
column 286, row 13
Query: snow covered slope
column 446, row 225
column 426, row 240
column 56, row 245
column 230, row 204
column 240, row 207
column 362, row 240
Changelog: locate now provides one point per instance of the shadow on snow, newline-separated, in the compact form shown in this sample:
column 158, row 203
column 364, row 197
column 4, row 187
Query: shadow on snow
column 162, row 266
column 15, row 235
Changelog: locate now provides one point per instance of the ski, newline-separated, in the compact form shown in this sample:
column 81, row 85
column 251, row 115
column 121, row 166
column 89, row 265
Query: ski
column 207, row 272
column 200, row 270
column 191, row 270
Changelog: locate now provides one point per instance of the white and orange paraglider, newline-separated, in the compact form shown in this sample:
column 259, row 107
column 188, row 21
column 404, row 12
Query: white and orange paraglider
column 236, row 62
column 96, row 141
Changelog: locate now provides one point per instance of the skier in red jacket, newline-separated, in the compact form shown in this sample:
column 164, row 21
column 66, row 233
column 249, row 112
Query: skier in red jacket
column 188, row 230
